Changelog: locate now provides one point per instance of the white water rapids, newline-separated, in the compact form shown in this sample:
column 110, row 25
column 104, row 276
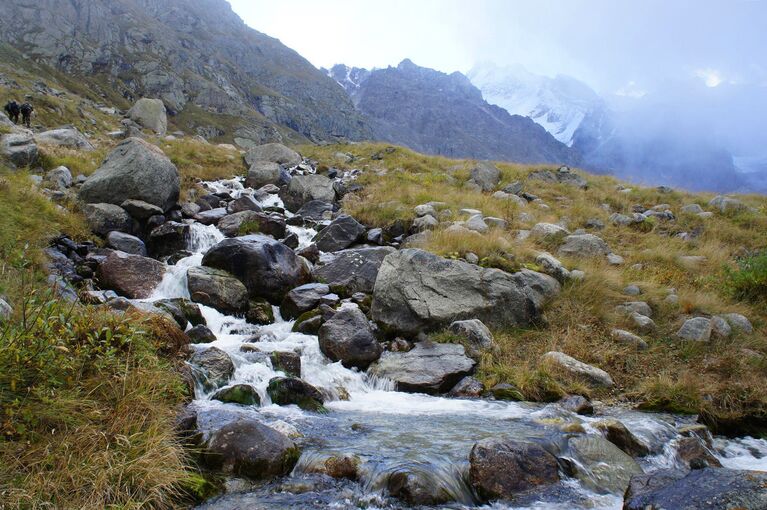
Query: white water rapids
column 387, row 429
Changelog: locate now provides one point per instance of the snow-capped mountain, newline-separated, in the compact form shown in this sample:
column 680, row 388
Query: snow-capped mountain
column 350, row 78
column 558, row 104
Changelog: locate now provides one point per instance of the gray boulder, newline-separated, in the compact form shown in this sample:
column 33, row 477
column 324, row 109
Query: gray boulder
column 149, row 113
column 305, row 188
column 590, row 374
column 617, row 433
column 215, row 364
column 127, row 243
column 600, row 465
column 485, row 175
column 628, row 338
column 475, row 335
column 468, row 387
column 342, row 232
column 739, row 322
column 548, row 231
column 273, row 152
column 141, row 210
column 132, row 276
column 350, row 271
column 584, row 245
column 504, row 468
column 59, row 178
column 218, row 289
column 201, row 334
column 243, row 203
column 136, row 170
column 169, row 238
column 262, row 173
column 263, row 223
column 416, row 290
column 427, row 368
column 302, row 299
column 347, row 337
column 19, row 148
column 700, row 489
column 5, row 310
column 268, row 268
column 105, row 218
column 285, row 391
column 727, row 204
column 316, row 210
column 65, row 137
column 250, row 449
column 552, row 266
column 243, row 394
column 562, row 176
column 697, row 329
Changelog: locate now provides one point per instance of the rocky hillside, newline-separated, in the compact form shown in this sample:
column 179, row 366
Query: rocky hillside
column 442, row 114
column 219, row 78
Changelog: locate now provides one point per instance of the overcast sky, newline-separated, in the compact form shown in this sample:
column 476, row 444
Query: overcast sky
column 610, row 44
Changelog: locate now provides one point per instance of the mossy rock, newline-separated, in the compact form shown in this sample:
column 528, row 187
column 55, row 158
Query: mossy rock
column 506, row 391
column 308, row 322
column 243, row 394
column 292, row 390
column 259, row 312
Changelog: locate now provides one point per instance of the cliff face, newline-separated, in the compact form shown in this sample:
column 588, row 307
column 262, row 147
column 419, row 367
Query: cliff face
column 195, row 53
column 437, row 113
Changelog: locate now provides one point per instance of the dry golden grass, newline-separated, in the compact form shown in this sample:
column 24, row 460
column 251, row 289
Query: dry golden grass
column 725, row 380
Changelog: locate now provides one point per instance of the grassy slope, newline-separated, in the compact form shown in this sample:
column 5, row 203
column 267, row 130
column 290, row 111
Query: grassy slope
column 726, row 381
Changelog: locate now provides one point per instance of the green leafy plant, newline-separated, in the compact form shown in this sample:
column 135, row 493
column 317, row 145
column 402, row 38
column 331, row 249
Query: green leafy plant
column 749, row 280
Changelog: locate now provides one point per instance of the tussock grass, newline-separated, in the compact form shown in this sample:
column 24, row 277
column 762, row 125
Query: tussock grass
column 725, row 381
column 198, row 161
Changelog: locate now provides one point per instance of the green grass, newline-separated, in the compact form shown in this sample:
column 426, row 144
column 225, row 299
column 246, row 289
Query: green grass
column 749, row 280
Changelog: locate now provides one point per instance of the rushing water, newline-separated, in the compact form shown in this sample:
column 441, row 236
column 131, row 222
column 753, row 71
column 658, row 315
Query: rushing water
column 389, row 430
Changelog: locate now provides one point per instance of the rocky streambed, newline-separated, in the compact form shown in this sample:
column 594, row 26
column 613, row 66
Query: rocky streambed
column 302, row 401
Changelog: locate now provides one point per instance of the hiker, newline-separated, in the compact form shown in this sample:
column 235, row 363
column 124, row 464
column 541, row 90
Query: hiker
column 26, row 113
column 12, row 109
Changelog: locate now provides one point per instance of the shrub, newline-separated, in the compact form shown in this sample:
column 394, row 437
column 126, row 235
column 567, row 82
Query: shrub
column 749, row 280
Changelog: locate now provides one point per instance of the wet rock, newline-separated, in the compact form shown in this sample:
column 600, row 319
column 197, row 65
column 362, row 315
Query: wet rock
column 697, row 329
column 243, row 203
column 248, row 222
column 259, row 312
column 342, row 467
column 505, row 468
column 243, row 394
column 274, row 152
column 350, row 271
column 485, row 175
column 417, row 486
column 341, row 233
column 292, row 390
column 600, row 465
column 475, row 335
column 584, row 245
column 416, row 290
column 628, row 338
column 250, row 449
column 308, row 323
column 694, row 453
column 135, row 169
column 211, row 216
column 701, row 489
column 132, row 276
column 105, row 218
column 302, row 299
column 268, row 268
column 316, row 210
column 347, row 337
column 305, row 188
column 506, row 391
column 215, row 364
column 468, row 387
column 577, row 404
column 288, row 362
column 218, row 289
column 149, row 113
column 617, row 433
column 168, row 238
column 432, row 368
column 592, row 375
column 262, row 173
column 201, row 335
column 126, row 242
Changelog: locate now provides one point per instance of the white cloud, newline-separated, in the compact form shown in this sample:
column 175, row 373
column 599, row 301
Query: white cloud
column 631, row 89
column 711, row 77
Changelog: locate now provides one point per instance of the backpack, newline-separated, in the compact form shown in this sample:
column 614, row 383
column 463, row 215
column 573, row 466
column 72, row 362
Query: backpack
column 26, row 109
column 12, row 107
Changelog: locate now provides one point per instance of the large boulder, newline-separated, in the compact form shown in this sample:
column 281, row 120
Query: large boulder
column 19, row 148
column 135, row 170
column 485, row 175
column 503, row 468
column 347, row 337
column 583, row 245
column 342, row 232
column 132, row 276
column 701, row 489
column 427, row 368
column 248, row 448
column 273, row 152
column 562, row 176
column 262, row 173
column 126, row 242
column 218, row 289
column 577, row 369
column 253, row 221
column 149, row 113
column 215, row 364
column 600, row 465
column 59, row 178
column 302, row 299
column 268, row 268
column 169, row 238
column 316, row 210
column 105, row 218
column 350, row 271
column 66, row 136
column 727, row 204
column 305, row 188
column 292, row 390
column 416, row 290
